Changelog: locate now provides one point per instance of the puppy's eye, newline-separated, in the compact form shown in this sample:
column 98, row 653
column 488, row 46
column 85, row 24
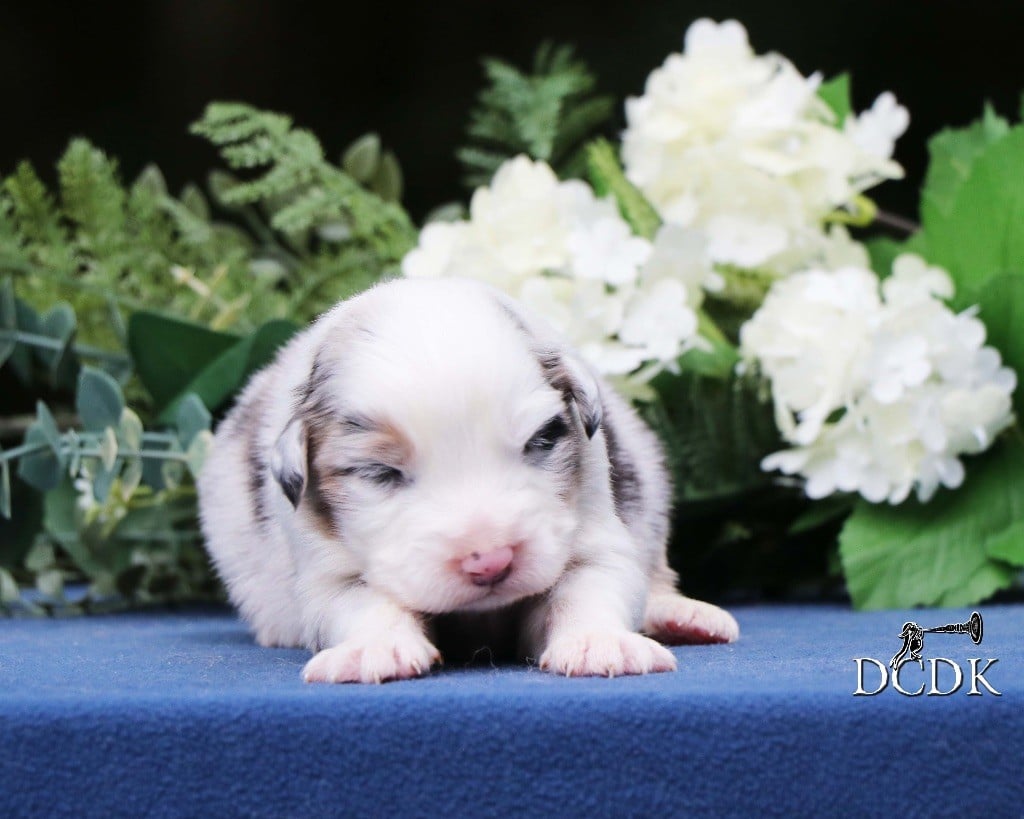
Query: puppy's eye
column 380, row 474
column 545, row 438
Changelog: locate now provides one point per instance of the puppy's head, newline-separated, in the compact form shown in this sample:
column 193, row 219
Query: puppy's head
column 443, row 441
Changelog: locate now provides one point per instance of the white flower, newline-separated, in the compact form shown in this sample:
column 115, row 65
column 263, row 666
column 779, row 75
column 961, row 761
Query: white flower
column 879, row 396
column 877, row 129
column 622, row 300
column 740, row 147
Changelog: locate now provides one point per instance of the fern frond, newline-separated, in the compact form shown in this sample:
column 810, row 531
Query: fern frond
column 91, row 195
column 547, row 114
column 32, row 205
column 299, row 188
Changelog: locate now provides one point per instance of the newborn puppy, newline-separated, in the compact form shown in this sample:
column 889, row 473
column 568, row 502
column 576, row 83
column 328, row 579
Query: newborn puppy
column 424, row 449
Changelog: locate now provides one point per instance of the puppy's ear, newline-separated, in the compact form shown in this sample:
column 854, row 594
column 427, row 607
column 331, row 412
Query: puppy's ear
column 562, row 368
column 288, row 460
column 568, row 374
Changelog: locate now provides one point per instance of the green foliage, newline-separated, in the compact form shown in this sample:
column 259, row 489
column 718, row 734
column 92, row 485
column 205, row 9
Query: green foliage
column 107, row 249
column 151, row 282
column 548, row 114
column 338, row 237
column 174, row 359
column 608, row 178
column 836, row 95
column 716, row 431
column 964, row 545
column 953, row 551
column 104, row 520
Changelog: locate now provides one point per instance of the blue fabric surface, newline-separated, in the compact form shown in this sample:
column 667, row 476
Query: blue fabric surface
column 182, row 715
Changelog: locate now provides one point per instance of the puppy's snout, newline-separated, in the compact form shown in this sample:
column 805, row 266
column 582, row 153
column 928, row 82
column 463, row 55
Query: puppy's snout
column 489, row 568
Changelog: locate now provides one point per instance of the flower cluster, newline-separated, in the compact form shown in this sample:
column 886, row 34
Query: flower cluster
column 741, row 147
column 879, row 387
column 569, row 255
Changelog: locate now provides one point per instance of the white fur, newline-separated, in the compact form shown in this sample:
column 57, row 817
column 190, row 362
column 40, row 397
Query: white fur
column 451, row 367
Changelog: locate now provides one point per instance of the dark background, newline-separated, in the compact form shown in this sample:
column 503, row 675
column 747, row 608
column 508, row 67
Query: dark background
column 132, row 76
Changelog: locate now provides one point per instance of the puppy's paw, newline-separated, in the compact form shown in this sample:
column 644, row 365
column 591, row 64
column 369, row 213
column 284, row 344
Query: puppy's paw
column 605, row 654
column 388, row 657
column 678, row 620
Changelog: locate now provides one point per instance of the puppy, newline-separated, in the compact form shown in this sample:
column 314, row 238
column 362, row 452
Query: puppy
column 425, row 459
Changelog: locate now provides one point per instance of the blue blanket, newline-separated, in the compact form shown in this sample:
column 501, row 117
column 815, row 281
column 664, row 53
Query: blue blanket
column 180, row 714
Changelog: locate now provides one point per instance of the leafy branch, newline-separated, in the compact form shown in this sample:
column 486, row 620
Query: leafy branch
column 548, row 114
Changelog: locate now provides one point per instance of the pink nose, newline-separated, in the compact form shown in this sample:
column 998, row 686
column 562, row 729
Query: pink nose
column 488, row 568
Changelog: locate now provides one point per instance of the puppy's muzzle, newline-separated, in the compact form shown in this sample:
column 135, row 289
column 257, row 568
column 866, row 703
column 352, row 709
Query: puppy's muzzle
column 489, row 568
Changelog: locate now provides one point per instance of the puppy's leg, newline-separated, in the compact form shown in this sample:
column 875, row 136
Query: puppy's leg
column 368, row 639
column 672, row 618
column 587, row 624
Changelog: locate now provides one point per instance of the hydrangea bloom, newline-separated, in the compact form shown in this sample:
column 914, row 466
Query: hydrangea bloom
column 880, row 388
column 741, row 147
column 622, row 300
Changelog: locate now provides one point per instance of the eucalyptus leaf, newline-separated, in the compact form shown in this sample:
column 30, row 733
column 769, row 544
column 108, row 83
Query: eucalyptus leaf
column 130, row 429
column 172, row 473
column 131, row 477
column 40, row 557
column 99, row 400
column 108, row 448
column 48, row 426
column 198, row 451
column 5, row 488
column 41, row 470
column 8, row 319
column 192, row 418
column 9, row 591
column 51, row 584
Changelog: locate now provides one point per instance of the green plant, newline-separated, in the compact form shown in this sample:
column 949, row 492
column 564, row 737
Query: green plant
column 548, row 114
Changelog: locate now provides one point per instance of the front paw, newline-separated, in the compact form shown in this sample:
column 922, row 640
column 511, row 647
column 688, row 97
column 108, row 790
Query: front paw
column 366, row 660
column 605, row 654
column 678, row 620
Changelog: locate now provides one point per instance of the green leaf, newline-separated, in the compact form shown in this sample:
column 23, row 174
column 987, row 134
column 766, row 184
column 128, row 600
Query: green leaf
column 362, row 157
column 218, row 380
column 48, row 426
column 169, row 352
column 198, row 451
column 607, row 177
column 9, row 592
column 41, row 470
column 952, row 154
column 99, row 400
column 130, row 430
column 59, row 323
column 982, row 234
column 1001, row 300
column 192, row 418
column 51, row 584
column 8, row 318
column 5, row 488
column 108, row 448
column 387, row 182
column 937, row 554
column 836, row 95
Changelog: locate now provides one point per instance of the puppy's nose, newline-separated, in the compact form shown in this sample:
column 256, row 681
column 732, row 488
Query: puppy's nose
column 488, row 568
